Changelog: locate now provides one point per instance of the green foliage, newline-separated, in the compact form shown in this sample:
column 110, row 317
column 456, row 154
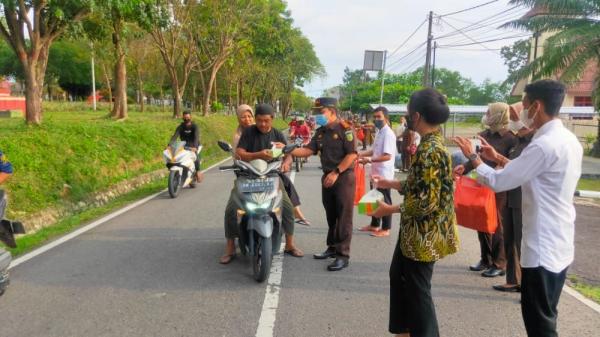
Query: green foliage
column 69, row 63
column 516, row 56
column 301, row 102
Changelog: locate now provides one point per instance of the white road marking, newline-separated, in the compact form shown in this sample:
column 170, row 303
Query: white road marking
column 91, row 226
column 266, row 322
column 593, row 305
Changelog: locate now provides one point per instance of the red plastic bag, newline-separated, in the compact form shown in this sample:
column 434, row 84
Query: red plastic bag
column 359, row 173
column 360, row 135
column 475, row 206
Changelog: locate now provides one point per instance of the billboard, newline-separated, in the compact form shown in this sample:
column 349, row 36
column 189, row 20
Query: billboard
column 373, row 60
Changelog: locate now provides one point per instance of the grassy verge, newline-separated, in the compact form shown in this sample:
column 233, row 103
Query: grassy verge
column 589, row 291
column 589, row 184
column 29, row 242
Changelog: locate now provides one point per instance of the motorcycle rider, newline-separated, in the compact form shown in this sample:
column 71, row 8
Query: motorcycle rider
column 189, row 132
column 301, row 130
column 256, row 142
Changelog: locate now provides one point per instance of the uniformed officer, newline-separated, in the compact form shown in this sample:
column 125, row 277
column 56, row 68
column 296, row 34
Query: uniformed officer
column 336, row 144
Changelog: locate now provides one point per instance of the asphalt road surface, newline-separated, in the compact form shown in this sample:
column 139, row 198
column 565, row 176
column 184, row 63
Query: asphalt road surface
column 153, row 271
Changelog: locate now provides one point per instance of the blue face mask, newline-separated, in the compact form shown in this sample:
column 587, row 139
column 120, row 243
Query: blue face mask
column 379, row 123
column 321, row 120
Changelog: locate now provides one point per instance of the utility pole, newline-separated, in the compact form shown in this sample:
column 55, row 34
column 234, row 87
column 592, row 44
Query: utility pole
column 433, row 67
column 93, row 79
column 426, row 77
column 382, row 78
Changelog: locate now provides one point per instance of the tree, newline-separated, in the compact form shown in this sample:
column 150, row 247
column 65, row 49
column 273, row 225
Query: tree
column 69, row 64
column 118, row 14
column 30, row 28
column 573, row 46
column 176, row 44
column 516, row 55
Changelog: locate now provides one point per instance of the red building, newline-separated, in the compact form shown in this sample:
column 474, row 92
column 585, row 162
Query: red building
column 8, row 102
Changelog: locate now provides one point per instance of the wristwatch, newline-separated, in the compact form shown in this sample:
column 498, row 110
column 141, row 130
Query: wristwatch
column 473, row 156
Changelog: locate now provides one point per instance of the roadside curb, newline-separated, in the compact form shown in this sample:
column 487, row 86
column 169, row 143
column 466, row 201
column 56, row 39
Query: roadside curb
column 587, row 194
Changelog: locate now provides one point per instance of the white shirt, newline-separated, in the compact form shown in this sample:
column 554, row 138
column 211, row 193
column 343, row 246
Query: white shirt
column 547, row 171
column 385, row 142
column 400, row 130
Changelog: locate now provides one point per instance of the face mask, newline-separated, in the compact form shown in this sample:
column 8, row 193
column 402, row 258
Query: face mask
column 321, row 120
column 410, row 123
column 515, row 126
column 379, row 123
column 526, row 120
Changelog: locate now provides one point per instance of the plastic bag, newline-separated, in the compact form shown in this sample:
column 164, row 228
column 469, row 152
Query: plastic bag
column 359, row 173
column 368, row 203
column 475, row 206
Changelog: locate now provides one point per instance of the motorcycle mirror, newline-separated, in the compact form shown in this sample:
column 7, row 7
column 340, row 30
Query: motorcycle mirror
column 289, row 148
column 225, row 146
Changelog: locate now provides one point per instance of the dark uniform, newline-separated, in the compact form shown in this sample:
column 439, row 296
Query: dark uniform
column 333, row 143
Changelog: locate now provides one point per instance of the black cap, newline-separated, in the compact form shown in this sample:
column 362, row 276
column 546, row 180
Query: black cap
column 264, row 109
column 325, row 102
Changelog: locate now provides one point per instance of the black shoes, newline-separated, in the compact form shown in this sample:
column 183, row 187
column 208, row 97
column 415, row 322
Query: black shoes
column 326, row 254
column 7, row 231
column 493, row 272
column 508, row 289
column 339, row 264
column 479, row 267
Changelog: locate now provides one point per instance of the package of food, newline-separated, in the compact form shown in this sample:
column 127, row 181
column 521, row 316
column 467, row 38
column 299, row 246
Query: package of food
column 368, row 203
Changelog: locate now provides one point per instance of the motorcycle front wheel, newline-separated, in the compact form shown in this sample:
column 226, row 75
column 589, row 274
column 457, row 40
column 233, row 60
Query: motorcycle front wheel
column 262, row 259
column 174, row 183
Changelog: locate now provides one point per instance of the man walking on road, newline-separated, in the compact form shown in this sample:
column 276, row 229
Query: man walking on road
column 335, row 143
column 547, row 171
column 381, row 156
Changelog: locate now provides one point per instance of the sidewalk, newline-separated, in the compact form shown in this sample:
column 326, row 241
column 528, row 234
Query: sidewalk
column 591, row 166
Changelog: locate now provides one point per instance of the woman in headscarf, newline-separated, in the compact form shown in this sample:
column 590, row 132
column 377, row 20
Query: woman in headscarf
column 497, row 134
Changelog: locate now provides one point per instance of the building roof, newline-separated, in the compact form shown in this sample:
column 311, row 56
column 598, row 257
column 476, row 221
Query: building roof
column 400, row 109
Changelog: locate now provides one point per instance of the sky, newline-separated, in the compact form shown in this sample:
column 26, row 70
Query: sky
column 341, row 30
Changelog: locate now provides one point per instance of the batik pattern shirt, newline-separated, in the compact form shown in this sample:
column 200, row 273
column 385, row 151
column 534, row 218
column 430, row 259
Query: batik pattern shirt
column 428, row 225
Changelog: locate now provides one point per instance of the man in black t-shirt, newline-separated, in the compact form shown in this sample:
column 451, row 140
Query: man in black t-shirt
column 189, row 132
column 256, row 142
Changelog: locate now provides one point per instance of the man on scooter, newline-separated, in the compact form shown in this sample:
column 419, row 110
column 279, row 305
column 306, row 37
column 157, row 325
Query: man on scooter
column 256, row 142
column 301, row 130
column 189, row 132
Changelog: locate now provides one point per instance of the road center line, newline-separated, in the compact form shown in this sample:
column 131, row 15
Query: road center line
column 266, row 322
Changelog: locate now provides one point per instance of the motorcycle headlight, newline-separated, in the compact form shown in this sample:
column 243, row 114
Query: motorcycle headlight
column 251, row 206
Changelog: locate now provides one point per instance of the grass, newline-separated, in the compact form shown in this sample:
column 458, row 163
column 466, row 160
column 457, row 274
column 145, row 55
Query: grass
column 589, row 184
column 587, row 290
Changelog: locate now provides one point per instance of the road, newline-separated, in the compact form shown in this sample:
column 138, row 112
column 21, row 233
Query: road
column 153, row 271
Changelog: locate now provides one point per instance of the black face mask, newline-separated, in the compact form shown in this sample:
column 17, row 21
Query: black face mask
column 410, row 123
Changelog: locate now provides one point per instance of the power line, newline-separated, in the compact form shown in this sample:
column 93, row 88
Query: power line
column 498, row 17
column 407, row 39
column 470, row 38
column 480, row 42
column 506, row 35
column 481, row 32
column 406, row 55
column 419, row 59
column 470, row 8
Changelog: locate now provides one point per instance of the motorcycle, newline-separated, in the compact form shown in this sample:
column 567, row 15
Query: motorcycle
column 180, row 162
column 7, row 231
column 258, row 198
column 299, row 161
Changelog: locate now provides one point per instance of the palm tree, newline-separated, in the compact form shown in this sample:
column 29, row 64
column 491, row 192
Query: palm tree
column 573, row 47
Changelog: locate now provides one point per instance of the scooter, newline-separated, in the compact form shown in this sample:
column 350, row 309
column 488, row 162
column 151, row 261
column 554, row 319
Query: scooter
column 258, row 199
column 299, row 161
column 7, row 231
column 180, row 162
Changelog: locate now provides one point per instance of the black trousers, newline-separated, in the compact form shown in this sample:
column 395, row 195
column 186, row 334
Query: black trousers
column 386, row 221
column 411, row 305
column 338, row 201
column 540, row 292
column 512, row 225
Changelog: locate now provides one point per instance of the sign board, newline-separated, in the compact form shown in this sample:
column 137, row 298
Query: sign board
column 373, row 60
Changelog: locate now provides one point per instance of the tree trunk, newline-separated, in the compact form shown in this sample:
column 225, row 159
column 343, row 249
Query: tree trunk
column 208, row 91
column 140, row 89
column 120, row 107
column 33, row 96
column 108, row 86
column 176, row 96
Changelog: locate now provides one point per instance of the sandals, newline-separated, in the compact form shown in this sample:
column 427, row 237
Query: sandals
column 368, row 228
column 226, row 259
column 295, row 252
column 303, row 222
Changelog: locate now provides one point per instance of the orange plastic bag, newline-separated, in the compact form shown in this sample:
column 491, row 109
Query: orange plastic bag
column 475, row 206
column 359, row 173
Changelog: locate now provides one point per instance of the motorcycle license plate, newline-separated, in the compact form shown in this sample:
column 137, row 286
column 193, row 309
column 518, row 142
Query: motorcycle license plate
column 254, row 186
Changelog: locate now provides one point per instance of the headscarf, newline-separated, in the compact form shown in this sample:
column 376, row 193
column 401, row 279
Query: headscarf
column 243, row 108
column 238, row 133
column 498, row 116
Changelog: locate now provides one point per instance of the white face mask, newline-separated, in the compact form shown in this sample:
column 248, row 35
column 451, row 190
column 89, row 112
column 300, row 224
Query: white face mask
column 515, row 126
column 525, row 118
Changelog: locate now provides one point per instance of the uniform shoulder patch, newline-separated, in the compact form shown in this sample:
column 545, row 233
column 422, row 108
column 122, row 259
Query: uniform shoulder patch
column 349, row 135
